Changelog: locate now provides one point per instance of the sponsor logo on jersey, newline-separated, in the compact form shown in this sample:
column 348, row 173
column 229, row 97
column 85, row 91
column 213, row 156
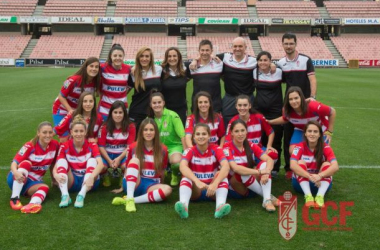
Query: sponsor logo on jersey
column 187, row 123
column 164, row 133
column 66, row 84
column 149, row 173
column 296, row 150
column 186, row 151
column 40, row 168
column 226, row 152
column 22, row 150
column 203, row 176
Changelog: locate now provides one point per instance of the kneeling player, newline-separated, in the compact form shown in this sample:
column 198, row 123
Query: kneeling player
column 242, row 155
column 78, row 165
column 146, row 163
column 313, row 163
column 201, row 181
column 28, row 168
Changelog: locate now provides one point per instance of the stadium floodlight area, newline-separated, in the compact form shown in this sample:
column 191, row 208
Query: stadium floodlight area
column 68, row 47
column 291, row 9
column 353, row 8
column 314, row 47
column 17, row 7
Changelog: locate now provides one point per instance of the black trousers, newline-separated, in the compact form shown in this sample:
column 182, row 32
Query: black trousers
column 288, row 132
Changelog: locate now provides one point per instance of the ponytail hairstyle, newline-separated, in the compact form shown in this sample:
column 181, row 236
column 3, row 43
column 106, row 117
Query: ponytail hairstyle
column 262, row 53
column 252, row 110
column 318, row 151
column 84, row 76
column 246, row 145
column 39, row 127
column 287, row 108
column 211, row 115
column 180, row 71
column 80, row 111
column 158, row 155
column 154, row 93
column 78, row 119
column 114, row 47
column 110, row 123
column 200, row 125
column 139, row 78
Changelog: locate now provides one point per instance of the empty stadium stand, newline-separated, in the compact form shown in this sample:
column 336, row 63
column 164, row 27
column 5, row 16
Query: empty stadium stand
column 220, row 43
column 12, row 46
column 292, row 9
column 17, row 7
column 75, row 8
column 313, row 47
column 216, row 9
column 68, row 47
column 360, row 9
column 158, row 44
column 146, row 9
column 362, row 47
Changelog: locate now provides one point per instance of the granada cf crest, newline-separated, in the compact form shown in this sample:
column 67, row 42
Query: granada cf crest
column 287, row 215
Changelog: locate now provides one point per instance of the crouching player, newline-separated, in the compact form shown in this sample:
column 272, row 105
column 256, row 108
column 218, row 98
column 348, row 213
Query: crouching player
column 78, row 165
column 201, row 181
column 28, row 168
column 313, row 163
column 242, row 156
column 146, row 163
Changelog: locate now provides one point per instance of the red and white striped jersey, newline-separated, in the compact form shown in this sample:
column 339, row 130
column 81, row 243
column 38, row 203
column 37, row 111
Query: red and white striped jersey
column 41, row 159
column 217, row 130
column 232, row 153
column 71, row 90
column 114, row 86
column 64, row 125
column 148, row 170
column 316, row 112
column 77, row 160
column 204, row 165
column 117, row 142
column 302, row 152
column 256, row 124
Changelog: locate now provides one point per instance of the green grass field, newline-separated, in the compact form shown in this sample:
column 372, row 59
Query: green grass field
column 26, row 99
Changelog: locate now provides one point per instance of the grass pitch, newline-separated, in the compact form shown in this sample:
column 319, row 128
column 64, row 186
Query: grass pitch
column 26, row 97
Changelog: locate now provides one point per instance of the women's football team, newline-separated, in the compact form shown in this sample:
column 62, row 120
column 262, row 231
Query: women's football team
column 153, row 138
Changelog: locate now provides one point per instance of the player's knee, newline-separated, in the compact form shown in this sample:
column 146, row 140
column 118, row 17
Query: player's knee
column 167, row 190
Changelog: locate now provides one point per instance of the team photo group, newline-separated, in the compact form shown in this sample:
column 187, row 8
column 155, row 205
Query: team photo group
column 227, row 147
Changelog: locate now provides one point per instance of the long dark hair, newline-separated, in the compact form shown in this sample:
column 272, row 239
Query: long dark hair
column 114, row 47
column 318, row 151
column 165, row 64
column 111, row 126
column 80, row 111
column 262, row 53
column 154, row 93
column 82, row 72
column 36, row 138
column 252, row 110
column 211, row 115
column 287, row 108
column 158, row 156
column 247, row 147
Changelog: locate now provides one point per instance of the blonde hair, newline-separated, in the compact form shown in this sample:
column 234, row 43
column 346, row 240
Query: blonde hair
column 78, row 119
column 139, row 79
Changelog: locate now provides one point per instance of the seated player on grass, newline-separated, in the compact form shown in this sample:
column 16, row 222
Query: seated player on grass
column 28, row 168
column 146, row 163
column 313, row 164
column 201, row 179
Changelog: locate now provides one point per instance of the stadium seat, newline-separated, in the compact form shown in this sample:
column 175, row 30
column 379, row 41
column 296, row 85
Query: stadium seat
column 216, row 9
column 12, row 46
column 291, row 9
column 146, row 9
column 17, row 7
column 360, row 9
column 362, row 47
column 75, row 8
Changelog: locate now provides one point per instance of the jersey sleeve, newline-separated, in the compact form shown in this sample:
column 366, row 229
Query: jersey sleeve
column 94, row 150
column 189, row 125
column 221, row 56
column 23, row 153
column 221, row 128
column 63, row 126
column 187, row 65
column 323, row 110
column 102, row 136
column 310, row 67
column 130, row 82
column 257, row 151
column 265, row 125
column 228, row 154
column 219, row 154
column 328, row 153
column 98, row 124
column 132, row 133
column 178, row 126
column 67, row 87
column 284, row 116
column 188, row 154
column 297, row 152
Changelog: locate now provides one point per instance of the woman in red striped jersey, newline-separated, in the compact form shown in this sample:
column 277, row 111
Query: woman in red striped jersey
column 313, row 163
column 87, row 78
column 28, row 168
column 146, row 163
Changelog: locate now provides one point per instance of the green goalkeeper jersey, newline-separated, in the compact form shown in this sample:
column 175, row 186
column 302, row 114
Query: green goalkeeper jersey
column 171, row 128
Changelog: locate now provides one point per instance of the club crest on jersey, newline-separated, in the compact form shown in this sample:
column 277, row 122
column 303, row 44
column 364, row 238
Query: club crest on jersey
column 22, row 150
column 298, row 63
column 66, row 84
column 165, row 124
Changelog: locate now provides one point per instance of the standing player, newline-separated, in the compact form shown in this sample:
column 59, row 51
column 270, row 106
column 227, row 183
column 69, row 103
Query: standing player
column 298, row 70
column 28, row 168
column 202, row 179
column 86, row 108
column 78, row 165
column 172, row 133
column 146, row 76
column 206, row 76
column 313, row 163
column 174, row 82
column 268, row 100
column 87, row 78
column 204, row 113
column 147, row 160
column 243, row 156
column 114, row 80
column 117, row 133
